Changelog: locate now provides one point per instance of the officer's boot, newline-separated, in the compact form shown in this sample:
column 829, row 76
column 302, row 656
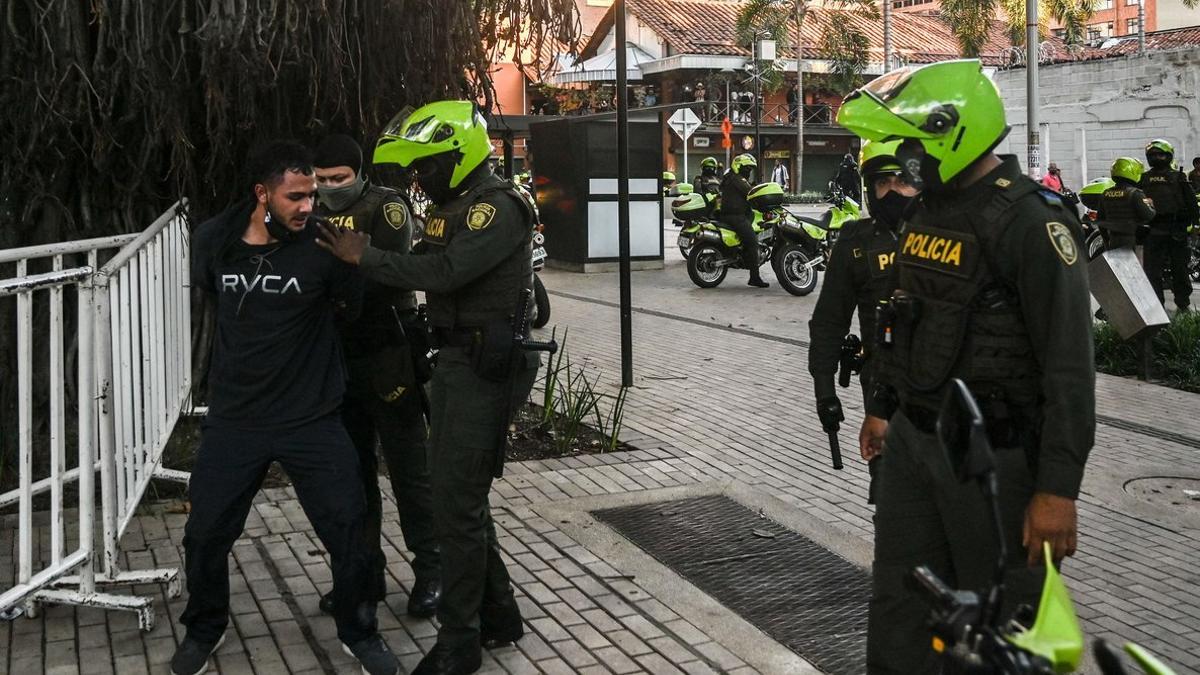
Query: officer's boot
column 750, row 260
column 424, row 599
column 500, row 624
column 446, row 660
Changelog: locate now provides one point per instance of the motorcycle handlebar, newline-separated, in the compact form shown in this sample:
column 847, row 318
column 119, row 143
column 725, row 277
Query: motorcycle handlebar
column 933, row 588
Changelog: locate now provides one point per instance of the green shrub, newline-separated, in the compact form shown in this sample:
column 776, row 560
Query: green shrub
column 1176, row 353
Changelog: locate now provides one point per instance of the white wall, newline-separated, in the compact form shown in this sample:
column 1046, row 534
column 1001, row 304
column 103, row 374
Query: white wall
column 1119, row 104
column 1174, row 14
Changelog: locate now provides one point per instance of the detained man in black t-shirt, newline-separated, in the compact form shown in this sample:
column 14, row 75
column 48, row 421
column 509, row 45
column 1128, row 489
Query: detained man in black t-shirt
column 275, row 388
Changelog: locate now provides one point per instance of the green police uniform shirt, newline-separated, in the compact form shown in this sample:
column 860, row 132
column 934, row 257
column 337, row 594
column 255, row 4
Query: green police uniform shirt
column 468, row 246
column 857, row 275
column 1038, row 258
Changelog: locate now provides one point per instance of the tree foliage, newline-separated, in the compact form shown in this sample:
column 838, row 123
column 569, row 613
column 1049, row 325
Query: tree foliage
column 114, row 109
column 971, row 20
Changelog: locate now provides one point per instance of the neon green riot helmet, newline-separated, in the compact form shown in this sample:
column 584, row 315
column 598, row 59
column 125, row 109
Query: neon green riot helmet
column 668, row 176
column 879, row 157
column 440, row 127
column 743, row 160
column 946, row 114
column 1128, row 168
column 709, row 163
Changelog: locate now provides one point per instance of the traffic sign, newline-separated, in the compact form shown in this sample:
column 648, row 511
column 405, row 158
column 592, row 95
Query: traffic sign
column 684, row 122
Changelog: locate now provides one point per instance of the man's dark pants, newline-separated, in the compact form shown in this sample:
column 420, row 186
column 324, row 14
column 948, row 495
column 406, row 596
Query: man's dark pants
column 469, row 417
column 1161, row 248
column 402, row 437
column 924, row 516
column 230, row 466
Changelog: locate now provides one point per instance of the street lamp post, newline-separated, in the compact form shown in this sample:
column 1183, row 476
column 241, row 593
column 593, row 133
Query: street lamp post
column 623, row 199
column 1033, row 135
column 757, row 105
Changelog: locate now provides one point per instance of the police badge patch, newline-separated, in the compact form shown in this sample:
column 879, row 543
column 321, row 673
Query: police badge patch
column 395, row 214
column 480, row 216
column 1063, row 241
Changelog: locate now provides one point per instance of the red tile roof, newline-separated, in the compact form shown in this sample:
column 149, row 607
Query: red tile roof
column 706, row 27
column 1054, row 51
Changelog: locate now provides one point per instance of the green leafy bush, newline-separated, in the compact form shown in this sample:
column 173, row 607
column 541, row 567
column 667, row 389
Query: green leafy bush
column 1176, row 353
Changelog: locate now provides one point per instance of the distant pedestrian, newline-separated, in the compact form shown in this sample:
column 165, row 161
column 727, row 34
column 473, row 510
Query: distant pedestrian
column 1194, row 175
column 1053, row 178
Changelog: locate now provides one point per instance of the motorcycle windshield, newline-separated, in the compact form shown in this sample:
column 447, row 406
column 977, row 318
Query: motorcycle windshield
column 1055, row 635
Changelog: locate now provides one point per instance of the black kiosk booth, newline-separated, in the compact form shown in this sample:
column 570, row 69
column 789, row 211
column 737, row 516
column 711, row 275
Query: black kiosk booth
column 575, row 178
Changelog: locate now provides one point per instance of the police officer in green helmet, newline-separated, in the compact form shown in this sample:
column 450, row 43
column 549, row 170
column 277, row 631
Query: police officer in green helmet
column 737, row 215
column 384, row 402
column 474, row 265
column 858, row 275
column 709, row 180
column 1124, row 210
column 1175, row 212
column 984, row 257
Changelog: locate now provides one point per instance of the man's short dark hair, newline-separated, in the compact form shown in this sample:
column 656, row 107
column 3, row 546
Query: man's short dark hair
column 1196, row 161
column 267, row 162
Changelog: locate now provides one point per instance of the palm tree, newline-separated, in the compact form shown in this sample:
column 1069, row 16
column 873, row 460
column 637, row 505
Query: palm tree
column 841, row 41
column 971, row 20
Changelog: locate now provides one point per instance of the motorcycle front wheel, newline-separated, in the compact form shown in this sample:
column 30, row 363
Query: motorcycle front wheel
column 541, row 301
column 792, row 269
column 704, row 266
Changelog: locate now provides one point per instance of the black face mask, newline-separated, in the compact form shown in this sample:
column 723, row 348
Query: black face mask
column 889, row 209
column 277, row 229
column 434, row 174
column 746, row 172
column 1159, row 161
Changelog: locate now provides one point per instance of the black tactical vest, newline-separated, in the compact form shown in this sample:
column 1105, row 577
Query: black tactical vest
column 1120, row 205
column 493, row 296
column 1165, row 188
column 953, row 315
column 873, row 251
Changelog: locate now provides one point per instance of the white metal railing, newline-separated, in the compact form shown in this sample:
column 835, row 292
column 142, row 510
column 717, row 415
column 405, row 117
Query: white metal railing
column 134, row 379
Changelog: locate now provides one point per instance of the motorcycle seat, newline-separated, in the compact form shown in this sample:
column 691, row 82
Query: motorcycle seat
column 822, row 222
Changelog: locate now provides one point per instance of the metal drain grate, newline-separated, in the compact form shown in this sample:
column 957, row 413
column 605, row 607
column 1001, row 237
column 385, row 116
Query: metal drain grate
column 802, row 595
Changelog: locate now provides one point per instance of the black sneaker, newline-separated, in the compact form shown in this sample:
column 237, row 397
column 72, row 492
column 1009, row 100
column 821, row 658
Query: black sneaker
column 424, row 599
column 758, row 283
column 191, row 657
column 374, row 656
column 443, row 660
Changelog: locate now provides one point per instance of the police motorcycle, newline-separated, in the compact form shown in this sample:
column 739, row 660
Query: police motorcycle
column 809, row 241
column 968, row 633
column 690, row 210
column 541, row 299
column 1089, row 196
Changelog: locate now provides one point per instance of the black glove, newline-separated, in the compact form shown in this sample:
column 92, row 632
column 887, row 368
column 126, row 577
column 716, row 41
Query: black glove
column 829, row 411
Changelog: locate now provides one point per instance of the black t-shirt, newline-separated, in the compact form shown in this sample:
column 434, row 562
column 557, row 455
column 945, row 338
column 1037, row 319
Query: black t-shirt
column 276, row 359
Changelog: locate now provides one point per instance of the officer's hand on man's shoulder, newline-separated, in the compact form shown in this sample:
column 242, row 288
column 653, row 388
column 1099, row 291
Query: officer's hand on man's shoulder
column 346, row 245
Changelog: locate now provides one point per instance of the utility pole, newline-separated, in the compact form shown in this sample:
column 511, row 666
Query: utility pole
column 623, row 198
column 887, row 35
column 799, row 8
column 1141, row 26
column 1033, row 138
column 757, row 107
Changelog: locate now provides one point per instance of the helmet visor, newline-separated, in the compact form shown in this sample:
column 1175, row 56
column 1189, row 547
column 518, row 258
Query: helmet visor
column 396, row 124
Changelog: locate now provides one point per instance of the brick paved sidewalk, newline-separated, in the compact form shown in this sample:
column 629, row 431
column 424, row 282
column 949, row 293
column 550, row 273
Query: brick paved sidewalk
column 721, row 402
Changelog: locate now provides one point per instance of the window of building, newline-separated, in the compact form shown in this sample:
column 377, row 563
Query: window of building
column 1100, row 30
column 1060, row 33
column 1131, row 26
column 1131, row 3
column 1104, row 4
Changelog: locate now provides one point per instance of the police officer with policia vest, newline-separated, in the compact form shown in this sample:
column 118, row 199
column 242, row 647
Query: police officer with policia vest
column 384, row 399
column 473, row 266
column 1124, row 209
column 737, row 214
column 858, row 275
column 708, row 181
column 1175, row 212
column 991, row 287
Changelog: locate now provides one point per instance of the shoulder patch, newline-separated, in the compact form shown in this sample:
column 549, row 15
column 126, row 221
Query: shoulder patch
column 1063, row 242
column 395, row 214
column 480, row 216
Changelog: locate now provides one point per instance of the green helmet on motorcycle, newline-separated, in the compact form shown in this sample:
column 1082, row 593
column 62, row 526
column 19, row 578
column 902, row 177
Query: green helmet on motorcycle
column 1127, row 168
column 444, row 142
column 947, row 115
column 709, row 163
column 668, row 176
column 742, row 161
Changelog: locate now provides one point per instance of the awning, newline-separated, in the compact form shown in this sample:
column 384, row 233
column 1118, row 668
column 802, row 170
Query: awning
column 603, row 67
